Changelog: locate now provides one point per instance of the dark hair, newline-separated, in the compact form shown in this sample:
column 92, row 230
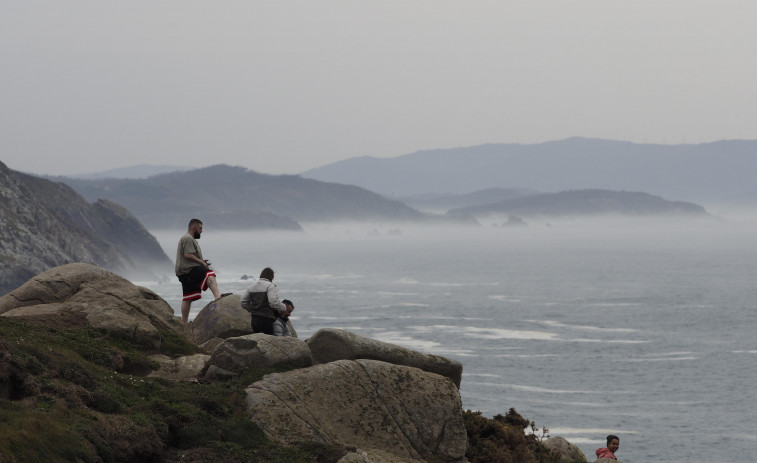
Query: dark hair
column 194, row 222
column 612, row 437
column 288, row 302
column 267, row 273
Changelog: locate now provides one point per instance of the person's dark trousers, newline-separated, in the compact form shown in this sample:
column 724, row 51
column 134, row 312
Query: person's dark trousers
column 262, row 325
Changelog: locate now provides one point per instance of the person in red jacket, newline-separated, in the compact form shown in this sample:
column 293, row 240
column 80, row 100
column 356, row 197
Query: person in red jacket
column 613, row 443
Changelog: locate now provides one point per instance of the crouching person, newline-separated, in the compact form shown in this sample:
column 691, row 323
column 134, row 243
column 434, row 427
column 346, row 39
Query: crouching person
column 261, row 299
column 280, row 325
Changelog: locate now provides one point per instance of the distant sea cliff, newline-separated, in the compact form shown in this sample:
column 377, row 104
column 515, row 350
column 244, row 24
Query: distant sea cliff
column 44, row 224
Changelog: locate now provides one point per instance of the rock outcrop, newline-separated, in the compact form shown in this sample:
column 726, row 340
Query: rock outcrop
column 91, row 296
column 568, row 452
column 44, row 224
column 236, row 355
column 223, row 318
column 329, row 344
column 375, row 406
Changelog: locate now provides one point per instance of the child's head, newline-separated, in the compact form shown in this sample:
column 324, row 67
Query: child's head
column 613, row 443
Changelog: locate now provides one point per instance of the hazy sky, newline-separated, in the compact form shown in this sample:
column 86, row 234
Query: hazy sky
column 284, row 86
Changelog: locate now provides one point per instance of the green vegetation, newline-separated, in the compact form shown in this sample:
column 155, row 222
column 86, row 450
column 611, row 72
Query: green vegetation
column 503, row 439
column 73, row 394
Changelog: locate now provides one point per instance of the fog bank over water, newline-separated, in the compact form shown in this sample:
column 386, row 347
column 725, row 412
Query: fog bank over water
column 238, row 253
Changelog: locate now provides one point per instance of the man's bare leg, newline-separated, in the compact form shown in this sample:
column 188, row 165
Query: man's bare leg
column 214, row 287
column 185, row 305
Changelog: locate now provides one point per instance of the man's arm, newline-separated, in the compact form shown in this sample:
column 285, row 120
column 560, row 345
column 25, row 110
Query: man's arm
column 194, row 258
column 273, row 299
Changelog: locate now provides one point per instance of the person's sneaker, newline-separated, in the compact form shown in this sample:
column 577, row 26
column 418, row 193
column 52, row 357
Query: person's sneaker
column 223, row 295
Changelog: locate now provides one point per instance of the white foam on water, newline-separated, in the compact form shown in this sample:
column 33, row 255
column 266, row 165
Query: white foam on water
column 612, row 304
column 541, row 390
column 395, row 337
column 401, row 304
column 525, row 355
column 601, row 431
column 481, row 375
column 609, row 341
column 331, row 276
column 341, row 317
column 557, row 324
column 503, row 298
column 500, row 333
column 744, row 351
column 671, row 359
column 334, row 291
column 392, row 293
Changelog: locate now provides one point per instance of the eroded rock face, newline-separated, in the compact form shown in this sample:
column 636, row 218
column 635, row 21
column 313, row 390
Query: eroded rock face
column 97, row 298
column 235, row 355
column 375, row 406
column 329, row 344
column 567, row 451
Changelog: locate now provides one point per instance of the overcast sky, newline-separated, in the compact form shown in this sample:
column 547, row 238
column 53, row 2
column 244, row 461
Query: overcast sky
column 284, row 86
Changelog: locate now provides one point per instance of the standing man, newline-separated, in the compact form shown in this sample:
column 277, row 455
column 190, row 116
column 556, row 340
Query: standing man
column 193, row 271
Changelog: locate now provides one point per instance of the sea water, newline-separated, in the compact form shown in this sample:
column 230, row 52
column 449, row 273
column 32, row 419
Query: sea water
column 641, row 329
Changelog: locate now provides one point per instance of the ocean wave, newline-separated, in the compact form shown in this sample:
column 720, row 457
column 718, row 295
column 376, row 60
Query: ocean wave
column 557, row 324
column 503, row 298
column 609, row 341
column 398, row 338
column 501, row 333
column 600, row 431
column 670, row 359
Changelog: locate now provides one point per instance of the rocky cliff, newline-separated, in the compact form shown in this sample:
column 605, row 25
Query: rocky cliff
column 44, row 224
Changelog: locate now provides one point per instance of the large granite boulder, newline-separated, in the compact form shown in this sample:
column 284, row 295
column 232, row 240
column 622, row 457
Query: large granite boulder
column 379, row 408
column 235, row 355
column 222, row 318
column 568, row 452
column 330, row 344
column 88, row 295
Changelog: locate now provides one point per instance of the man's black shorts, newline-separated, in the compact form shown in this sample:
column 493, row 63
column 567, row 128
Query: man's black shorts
column 195, row 282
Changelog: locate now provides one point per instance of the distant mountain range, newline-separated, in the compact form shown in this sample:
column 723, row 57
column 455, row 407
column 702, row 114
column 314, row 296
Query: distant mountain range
column 585, row 203
column 137, row 171
column 711, row 172
column 236, row 198
column 44, row 224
